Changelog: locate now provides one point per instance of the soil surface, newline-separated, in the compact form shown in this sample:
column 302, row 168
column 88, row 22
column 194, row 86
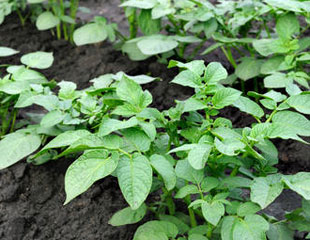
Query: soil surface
column 31, row 197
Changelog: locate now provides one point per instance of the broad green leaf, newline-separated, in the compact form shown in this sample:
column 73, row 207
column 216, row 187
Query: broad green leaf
column 229, row 146
column 235, row 182
column 300, row 102
column 280, row 231
column 148, row 25
column 186, row 190
column 214, row 73
column 5, row 52
column 182, row 227
column 248, row 68
column 188, row 78
column 135, row 179
column 65, row 139
column 16, row 146
column 128, row 216
column 196, row 66
column 225, row 97
column 264, row 190
column 155, row 45
column 264, row 46
column 274, row 64
column 277, row 80
column 299, row 183
column 287, row 124
column 52, row 118
column 289, row 5
column 247, row 105
column 137, row 139
column 213, row 212
column 109, row 125
column 165, row 169
column 149, row 129
column 24, row 74
column 130, row 47
column 47, row 20
column 35, row 1
column 86, row 170
column 287, row 25
column 130, row 91
column 143, row 4
column 209, row 183
column 156, row 230
column 39, row 60
column 198, row 156
column 197, row 237
column 89, row 34
column 247, row 208
column 252, row 227
column 185, row 171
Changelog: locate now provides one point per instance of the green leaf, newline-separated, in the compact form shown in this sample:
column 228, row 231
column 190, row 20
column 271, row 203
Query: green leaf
column 86, row 170
column 229, row 146
column 277, row 80
column 252, row 227
column 188, row 78
column 213, row 212
column 156, row 44
column 247, row 208
column 247, row 105
column 186, row 190
column 5, row 52
column 47, row 20
column 16, row 146
column 209, row 183
column 196, row 66
column 197, row 237
column 214, row 73
column 185, row 171
column 225, row 97
column 248, row 68
column 264, row 190
column 287, row 25
column 300, row 102
column 131, row 92
column 131, row 48
column 135, row 179
column 156, row 230
column 198, row 156
column 128, row 216
column 143, row 4
column 182, row 227
column 89, row 34
column 263, row 46
column 39, row 60
column 287, row 124
column 148, row 25
column 109, row 125
column 52, row 118
column 280, row 231
column 137, row 139
column 165, row 169
column 65, row 139
column 299, row 183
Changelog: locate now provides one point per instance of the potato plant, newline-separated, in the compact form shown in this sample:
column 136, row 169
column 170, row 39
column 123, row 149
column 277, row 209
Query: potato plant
column 188, row 154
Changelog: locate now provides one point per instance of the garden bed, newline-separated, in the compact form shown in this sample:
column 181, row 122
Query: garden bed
column 31, row 197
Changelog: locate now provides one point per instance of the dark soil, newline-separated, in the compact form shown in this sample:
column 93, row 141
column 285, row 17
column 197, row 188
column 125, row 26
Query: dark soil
column 31, row 197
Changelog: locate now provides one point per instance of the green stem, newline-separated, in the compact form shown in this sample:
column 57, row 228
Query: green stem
column 196, row 50
column 132, row 19
column 229, row 56
column 21, row 18
column 13, row 120
column 235, row 171
column 73, row 10
column 210, row 230
column 271, row 116
column 267, row 29
column 191, row 213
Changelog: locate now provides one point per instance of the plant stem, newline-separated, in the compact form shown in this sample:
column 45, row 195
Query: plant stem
column 73, row 10
column 191, row 213
column 132, row 19
column 229, row 56
column 13, row 120
column 235, row 171
column 210, row 230
column 21, row 18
